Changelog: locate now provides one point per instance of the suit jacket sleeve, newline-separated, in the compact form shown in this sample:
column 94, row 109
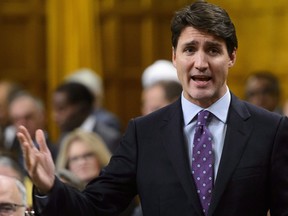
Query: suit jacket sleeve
column 279, row 171
column 108, row 194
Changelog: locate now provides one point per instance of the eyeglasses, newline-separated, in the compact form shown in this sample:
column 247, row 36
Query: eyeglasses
column 85, row 156
column 29, row 213
column 6, row 209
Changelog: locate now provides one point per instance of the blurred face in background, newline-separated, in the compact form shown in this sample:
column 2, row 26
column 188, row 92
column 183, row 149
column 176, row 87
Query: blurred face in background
column 65, row 115
column 24, row 111
column 10, row 195
column 260, row 93
column 82, row 161
column 153, row 98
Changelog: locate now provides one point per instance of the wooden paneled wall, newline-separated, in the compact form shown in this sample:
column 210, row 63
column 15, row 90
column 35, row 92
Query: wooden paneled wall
column 23, row 44
column 262, row 30
column 135, row 33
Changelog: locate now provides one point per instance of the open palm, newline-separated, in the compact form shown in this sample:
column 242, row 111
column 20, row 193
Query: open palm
column 38, row 162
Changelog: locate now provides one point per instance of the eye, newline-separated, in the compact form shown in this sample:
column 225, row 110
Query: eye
column 214, row 51
column 189, row 50
column 6, row 208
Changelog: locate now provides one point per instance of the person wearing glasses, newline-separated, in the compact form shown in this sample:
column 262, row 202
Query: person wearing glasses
column 84, row 154
column 81, row 157
column 12, row 197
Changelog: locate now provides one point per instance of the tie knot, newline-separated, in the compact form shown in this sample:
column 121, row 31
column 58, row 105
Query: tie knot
column 202, row 117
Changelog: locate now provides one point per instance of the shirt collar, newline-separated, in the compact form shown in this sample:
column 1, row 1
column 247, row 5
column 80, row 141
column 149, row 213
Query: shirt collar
column 218, row 109
column 89, row 123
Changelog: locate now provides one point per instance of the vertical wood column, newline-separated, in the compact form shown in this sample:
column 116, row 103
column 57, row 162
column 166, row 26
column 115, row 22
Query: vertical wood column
column 73, row 41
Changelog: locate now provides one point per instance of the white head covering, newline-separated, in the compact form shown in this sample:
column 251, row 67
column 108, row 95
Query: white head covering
column 89, row 78
column 159, row 70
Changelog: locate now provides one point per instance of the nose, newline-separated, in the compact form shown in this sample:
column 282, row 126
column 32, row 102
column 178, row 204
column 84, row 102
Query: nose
column 201, row 62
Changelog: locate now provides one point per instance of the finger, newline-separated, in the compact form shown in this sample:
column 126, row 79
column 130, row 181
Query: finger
column 23, row 141
column 40, row 138
column 28, row 157
column 26, row 136
column 27, row 152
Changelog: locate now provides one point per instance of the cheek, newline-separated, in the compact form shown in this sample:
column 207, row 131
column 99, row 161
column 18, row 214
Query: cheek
column 71, row 167
column 221, row 73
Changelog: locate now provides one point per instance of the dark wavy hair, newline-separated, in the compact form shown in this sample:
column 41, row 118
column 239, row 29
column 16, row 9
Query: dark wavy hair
column 208, row 18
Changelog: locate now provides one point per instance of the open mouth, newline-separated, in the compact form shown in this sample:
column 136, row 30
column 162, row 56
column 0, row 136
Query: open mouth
column 201, row 78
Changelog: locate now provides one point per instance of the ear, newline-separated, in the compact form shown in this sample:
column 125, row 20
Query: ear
column 174, row 56
column 232, row 59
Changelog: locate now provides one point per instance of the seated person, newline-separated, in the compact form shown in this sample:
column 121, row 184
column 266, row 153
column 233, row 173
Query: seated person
column 9, row 167
column 159, row 94
column 12, row 197
column 29, row 111
column 73, row 107
column 84, row 154
column 94, row 83
column 263, row 89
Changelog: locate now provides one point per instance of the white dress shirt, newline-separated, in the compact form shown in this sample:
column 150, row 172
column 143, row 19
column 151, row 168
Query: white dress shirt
column 217, row 126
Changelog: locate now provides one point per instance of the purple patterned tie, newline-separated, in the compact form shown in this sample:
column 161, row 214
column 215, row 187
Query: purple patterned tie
column 202, row 160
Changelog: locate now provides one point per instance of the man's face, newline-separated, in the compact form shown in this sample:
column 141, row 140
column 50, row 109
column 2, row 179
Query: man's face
column 62, row 110
column 24, row 111
column 9, row 194
column 202, row 64
column 153, row 98
column 259, row 93
column 65, row 114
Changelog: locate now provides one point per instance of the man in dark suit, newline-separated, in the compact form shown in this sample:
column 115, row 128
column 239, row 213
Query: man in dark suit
column 73, row 107
column 156, row 158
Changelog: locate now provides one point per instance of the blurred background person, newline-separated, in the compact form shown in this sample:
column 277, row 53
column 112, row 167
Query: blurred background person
column 159, row 94
column 9, row 167
column 263, row 89
column 285, row 108
column 12, row 197
column 7, row 91
column 159, row 70
column 160, row 86
column 83, row 154
column 73, row 107
column 29, row 111
column 94, row 83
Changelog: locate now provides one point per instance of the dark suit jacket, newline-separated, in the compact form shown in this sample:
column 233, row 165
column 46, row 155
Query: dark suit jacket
column 153, row 161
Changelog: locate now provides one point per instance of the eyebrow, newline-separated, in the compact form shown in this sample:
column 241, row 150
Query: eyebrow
column 191, row 43
column 214, row 44
column 209, row 43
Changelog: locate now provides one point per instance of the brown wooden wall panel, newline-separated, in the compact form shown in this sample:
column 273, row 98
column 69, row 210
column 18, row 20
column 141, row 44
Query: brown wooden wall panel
column 129, row 35
column 22, row 42
column 135, row 34
column 162, row 37
column 13, row 34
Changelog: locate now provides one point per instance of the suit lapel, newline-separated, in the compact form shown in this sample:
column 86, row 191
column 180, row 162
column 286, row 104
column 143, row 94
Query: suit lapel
column 175, row 145
column 238, row 130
